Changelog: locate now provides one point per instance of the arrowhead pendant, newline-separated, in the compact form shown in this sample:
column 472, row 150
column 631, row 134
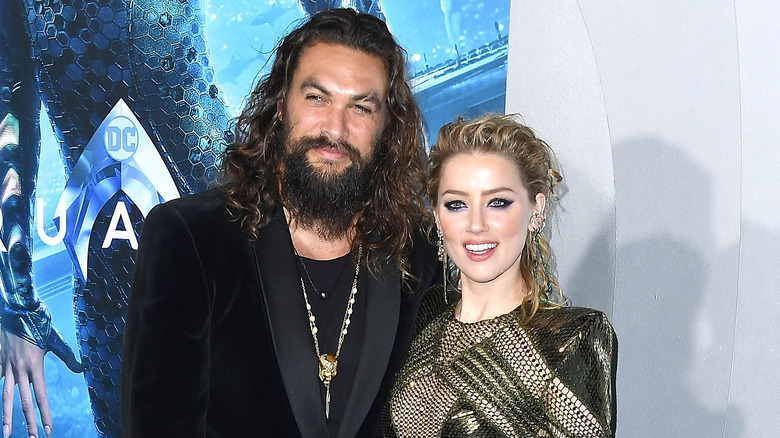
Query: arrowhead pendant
column 328, row 370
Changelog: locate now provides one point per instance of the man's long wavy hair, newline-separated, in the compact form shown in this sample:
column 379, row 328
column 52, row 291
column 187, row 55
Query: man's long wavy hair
column 503, row 135
column 395, row 209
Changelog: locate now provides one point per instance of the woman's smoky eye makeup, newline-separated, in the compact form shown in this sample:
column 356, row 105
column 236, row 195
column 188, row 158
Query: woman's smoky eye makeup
column 500, row 203
column 455, row 205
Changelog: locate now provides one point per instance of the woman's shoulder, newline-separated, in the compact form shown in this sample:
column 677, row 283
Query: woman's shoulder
column 568, row 318
column 562, row 330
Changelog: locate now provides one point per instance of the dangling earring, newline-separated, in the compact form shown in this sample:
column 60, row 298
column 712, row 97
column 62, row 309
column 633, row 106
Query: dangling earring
column 440, row 244
column 547, row 284
column 539, row 228
column 444, row 262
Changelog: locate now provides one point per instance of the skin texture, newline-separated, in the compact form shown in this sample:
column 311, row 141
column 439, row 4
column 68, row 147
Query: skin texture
column 22, row 364
column 340, row 93
column 482, row 201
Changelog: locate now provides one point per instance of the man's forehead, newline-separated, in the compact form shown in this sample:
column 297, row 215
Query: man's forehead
column 320, row 58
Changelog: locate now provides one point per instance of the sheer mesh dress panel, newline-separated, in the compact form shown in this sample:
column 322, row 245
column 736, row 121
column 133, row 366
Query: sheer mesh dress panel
column 550, row 377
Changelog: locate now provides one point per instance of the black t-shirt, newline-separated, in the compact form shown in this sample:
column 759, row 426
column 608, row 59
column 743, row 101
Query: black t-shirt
column 332, row 281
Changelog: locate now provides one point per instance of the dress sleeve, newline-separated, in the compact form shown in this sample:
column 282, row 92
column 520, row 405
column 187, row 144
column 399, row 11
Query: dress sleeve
column 579, row 398
column 165, row 368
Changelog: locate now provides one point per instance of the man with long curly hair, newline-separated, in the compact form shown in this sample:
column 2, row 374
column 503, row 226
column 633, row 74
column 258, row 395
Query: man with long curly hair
column 281, row 303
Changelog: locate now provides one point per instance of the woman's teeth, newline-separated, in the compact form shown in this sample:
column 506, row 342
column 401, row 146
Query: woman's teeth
column 480, row 247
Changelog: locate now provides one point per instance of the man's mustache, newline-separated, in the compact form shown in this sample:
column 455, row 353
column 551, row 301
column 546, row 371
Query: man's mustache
column 304, row 144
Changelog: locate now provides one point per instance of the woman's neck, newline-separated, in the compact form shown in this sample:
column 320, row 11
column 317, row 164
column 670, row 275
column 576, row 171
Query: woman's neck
column 481, row 301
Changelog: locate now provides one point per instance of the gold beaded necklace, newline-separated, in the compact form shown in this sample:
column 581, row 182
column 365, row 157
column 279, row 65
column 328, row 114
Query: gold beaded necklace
column 328, row 363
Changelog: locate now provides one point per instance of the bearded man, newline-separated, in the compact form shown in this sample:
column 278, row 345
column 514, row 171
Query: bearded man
column 282, row 303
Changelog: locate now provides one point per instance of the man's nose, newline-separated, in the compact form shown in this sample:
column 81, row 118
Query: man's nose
column 334, row 123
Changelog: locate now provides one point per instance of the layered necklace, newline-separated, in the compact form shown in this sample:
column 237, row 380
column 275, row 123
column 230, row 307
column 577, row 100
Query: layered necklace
column 328, row 363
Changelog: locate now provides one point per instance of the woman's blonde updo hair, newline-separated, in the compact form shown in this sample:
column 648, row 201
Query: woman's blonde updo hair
column 503, row 135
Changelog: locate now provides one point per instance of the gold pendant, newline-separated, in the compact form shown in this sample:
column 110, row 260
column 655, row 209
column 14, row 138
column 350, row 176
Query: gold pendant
column 328, row 370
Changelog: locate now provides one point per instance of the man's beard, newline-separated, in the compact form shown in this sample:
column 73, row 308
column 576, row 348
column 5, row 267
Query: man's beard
column 325, row 198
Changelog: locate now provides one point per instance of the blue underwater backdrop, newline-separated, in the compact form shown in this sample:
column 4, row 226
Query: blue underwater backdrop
column 457, row 52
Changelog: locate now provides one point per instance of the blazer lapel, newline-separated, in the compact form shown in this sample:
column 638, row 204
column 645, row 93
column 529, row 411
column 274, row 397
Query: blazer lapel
column 382, row 313
column 281, row 286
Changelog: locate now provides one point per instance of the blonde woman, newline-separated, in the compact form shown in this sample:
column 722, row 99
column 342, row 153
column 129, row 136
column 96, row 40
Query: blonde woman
column 493, row 355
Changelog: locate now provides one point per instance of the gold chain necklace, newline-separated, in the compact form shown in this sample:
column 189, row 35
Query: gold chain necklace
column 328, row 363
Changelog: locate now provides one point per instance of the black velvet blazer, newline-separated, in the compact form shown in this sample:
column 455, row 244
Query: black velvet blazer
column 216, row 345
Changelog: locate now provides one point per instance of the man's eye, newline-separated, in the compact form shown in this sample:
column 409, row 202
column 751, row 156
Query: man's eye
column 313, row 97
column 499, row 203
column 455, row 205
column 363, row 109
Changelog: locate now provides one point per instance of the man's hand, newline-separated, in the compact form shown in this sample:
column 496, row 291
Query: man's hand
column 22, row 365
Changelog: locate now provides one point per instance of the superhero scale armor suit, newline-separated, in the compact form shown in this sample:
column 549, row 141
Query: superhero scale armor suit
column 130, row 90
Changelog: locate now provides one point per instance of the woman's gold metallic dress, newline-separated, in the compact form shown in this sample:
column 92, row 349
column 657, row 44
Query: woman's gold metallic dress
column 550, row 377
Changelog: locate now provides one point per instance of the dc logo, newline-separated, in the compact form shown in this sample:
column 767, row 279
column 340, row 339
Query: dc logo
column 121, row 138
